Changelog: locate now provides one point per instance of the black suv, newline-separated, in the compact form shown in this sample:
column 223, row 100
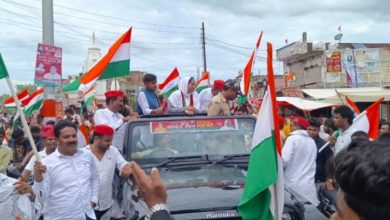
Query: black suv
column 203, row 162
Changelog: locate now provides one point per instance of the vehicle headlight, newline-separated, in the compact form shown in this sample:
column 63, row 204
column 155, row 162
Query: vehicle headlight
column 286, row 216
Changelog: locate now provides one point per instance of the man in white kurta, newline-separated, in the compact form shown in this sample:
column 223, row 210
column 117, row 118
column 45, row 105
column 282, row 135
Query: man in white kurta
column 107, row 159
column 110, row 116
column 299, row 162
column 68, row 184
column 207, row 94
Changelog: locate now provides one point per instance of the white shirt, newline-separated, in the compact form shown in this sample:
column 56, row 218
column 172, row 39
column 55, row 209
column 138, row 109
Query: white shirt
column 175, row 101
column 30, row 165
column 205, row 97
column 344, row 139
column 69, row 186
column 143, row 103
column 322, row 133
column 114, row 120
column 106, row 167
column 299, row 155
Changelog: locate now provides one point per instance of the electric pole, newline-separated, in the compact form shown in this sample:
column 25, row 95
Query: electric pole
column 204, row 51
column 48, row 35
column 49, row 107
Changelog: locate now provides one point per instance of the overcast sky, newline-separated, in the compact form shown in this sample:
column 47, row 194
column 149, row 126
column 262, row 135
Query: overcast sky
column 167, row 33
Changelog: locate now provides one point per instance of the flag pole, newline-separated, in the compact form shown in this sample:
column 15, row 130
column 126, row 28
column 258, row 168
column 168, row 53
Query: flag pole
column 23, row 118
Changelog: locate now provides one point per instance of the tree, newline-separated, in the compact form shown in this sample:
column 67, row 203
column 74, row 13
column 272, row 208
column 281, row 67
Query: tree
column 31, row 88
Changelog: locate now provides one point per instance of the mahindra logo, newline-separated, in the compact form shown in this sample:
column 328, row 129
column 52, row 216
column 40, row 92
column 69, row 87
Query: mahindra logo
column 221, row 215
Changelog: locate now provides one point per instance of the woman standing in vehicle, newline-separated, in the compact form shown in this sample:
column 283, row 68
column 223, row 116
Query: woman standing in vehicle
column 184, row 99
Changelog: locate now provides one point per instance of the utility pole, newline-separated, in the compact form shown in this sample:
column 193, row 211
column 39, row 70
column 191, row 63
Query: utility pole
column 48, row 35
column 49, row 104
column 204, row 51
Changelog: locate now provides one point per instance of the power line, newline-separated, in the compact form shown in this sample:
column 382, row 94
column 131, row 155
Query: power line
column 106, row 16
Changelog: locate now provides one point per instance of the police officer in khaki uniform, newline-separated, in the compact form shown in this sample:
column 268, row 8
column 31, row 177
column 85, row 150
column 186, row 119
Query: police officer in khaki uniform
column 219, row 104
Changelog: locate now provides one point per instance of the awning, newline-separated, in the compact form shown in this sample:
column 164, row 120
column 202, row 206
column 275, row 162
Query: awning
column 305, row 104
column 366, row 94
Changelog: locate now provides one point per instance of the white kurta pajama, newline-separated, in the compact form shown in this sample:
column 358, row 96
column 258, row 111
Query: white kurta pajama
column 205, row 97
column 115, row 121
column 299, row 155
column 69, row 186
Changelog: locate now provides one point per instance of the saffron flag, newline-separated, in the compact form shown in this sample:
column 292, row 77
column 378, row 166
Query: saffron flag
column 263, row 193
column 170, row 84
column 203, row 82
column 22, row 96
column 246, row 75
column 352, row 105
column 368, row 120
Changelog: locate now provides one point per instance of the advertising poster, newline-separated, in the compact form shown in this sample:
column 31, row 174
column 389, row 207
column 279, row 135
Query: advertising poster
column 182, row 125
column 48, row 68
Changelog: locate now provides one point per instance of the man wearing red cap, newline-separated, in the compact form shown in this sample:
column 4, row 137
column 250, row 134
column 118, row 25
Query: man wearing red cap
column 299, row 161
column 107, row 159
column 50, row 145
column 206, row 95
column 111, row 116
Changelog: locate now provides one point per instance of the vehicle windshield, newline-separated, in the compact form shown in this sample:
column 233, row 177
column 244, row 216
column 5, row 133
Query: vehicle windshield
column 158, row 141
column 194, row 137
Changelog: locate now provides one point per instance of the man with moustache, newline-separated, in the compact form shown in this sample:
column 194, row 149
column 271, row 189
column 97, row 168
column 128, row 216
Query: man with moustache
column 107, row 159
column 68, row 183
column 110, row 116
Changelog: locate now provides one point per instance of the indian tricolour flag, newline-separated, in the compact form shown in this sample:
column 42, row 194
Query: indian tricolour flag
column 170, row 84
column 115, row 63
column 368, row 120
column 32, row 104
column 89, row 96
column 203, row 82
column 246, row 75
column 263, row 193
column 22, row 96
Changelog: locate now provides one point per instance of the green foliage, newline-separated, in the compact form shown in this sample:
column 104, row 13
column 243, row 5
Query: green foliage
column 31, row 88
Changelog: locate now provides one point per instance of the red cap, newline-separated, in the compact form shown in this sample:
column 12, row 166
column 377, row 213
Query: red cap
column 114, row 93
column 281, row 120
column 103, row 130
column 301, row 121
column 47, row 131
column 218, row 84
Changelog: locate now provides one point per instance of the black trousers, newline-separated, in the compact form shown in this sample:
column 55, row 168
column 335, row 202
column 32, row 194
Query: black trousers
column 99, row 214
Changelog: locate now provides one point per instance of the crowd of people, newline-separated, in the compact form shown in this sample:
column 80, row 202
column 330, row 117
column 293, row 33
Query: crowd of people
column 78, row 156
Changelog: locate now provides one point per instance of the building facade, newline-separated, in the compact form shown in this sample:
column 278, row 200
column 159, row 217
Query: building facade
column 325, row 65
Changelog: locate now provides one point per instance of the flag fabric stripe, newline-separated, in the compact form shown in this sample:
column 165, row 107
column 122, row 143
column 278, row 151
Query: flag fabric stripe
column 88, row 97
column 3, row 69
column 33, row 103
column 23, row 95
column 88, row 79
column 352, row 105
column 271, row 83
column 171, row 77
column 202, row 82
column 116, row 69
column 169, row 92
column 123, row 53
column 74, row 86
column 245, row 81
column 170, row 84
column 368, row 120
column 278, row 188
column 246, row 75
column 199, row 89
column 263, row 193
